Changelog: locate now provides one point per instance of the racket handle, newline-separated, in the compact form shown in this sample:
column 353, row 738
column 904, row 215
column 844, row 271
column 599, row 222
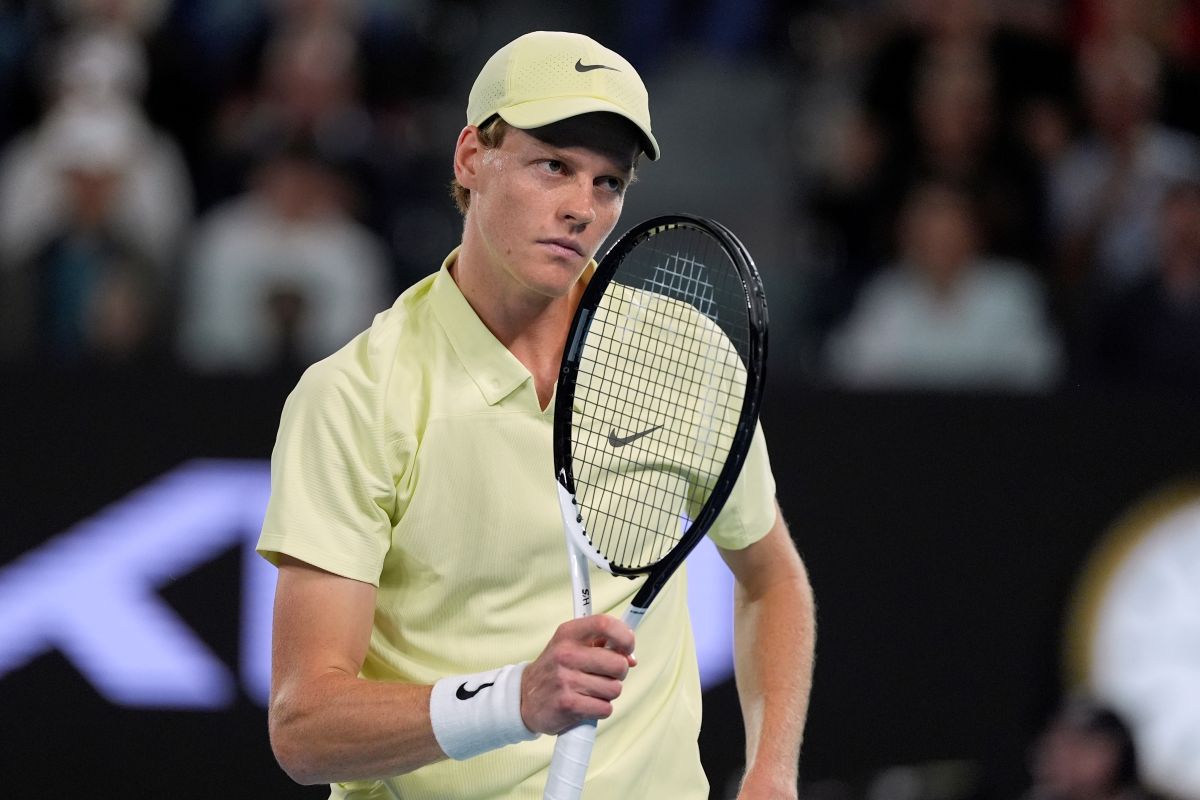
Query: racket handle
column 568, row 768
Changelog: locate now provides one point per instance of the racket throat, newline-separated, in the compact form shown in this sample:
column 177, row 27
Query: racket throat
column 577, row 537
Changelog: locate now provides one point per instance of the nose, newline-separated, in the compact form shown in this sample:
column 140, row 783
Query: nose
column 577, row 206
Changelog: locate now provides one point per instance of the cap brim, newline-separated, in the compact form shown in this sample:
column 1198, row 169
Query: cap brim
column 537, row 113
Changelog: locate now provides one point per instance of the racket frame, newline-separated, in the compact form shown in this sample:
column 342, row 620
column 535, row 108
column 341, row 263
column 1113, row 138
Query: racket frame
column 756, row 307
column 572, row 752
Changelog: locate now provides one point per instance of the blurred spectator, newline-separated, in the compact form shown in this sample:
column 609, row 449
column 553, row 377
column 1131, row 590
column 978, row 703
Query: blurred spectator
column 84, row 288
column 1085, row 752
column 309, row 87
column 94, row 85
column 1106, row 189
column 102, row 65
column 283, row 275
column 1172, row 27
column 958, row 138
column 934, row 109
column 946, row 315
column 1149, row 334
column 203, row 53
column 1030, row 65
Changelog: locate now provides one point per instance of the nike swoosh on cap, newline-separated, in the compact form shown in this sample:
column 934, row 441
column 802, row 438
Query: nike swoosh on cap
column 581, row 67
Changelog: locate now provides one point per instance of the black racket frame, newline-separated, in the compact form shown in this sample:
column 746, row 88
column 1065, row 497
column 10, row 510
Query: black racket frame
column 756, row 307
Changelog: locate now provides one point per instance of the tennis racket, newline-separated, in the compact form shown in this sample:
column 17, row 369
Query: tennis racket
column 656, row 406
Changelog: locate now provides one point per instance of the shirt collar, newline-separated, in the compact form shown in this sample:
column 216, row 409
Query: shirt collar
column 495, row 370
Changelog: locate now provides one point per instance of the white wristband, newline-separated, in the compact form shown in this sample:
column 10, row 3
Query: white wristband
column 472, row 714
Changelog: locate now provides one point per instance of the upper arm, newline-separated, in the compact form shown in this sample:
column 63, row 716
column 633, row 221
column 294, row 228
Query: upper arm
column 772, row 558
column 322, row 624
column 334, row 471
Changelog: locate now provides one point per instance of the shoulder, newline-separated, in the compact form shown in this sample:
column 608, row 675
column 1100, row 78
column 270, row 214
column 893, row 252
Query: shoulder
column 367, row 364
column 379, row 366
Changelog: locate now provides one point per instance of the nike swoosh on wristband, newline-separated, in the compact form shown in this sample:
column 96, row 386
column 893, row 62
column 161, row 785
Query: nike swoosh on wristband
column 581, row 67
column 621, row 441
column 466, row 694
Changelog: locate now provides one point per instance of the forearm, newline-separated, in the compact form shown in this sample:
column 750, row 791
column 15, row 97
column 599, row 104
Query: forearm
column 329, row 726
column 775, row 632
column 338, row 727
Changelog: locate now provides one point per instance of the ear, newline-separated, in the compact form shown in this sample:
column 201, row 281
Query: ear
column 466, row 157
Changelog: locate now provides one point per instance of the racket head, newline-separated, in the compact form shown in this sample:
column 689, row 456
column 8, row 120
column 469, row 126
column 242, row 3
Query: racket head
column 659, row 391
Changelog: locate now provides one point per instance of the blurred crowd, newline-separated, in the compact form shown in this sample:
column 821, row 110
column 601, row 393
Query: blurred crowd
column 231, row 186
column 983, row 195
column 1010, row 199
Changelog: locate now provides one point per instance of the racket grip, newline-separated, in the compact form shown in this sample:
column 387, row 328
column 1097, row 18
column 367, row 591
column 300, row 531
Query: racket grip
column 568, row 767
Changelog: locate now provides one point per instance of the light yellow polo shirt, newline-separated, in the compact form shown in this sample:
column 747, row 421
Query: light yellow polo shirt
column 417, row 459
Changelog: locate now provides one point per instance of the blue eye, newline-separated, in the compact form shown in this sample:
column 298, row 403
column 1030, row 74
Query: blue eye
column 554, row 166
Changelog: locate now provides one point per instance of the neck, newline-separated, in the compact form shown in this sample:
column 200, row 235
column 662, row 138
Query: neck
column 532, row 326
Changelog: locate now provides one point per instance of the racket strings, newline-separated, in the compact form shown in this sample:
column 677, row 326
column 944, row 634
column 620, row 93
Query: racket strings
column 593, row 362
column 662, row 373
column 685, row 279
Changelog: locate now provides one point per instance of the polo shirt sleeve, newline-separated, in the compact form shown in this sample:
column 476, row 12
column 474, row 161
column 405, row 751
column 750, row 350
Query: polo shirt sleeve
column 333, row 490
column 749, row 512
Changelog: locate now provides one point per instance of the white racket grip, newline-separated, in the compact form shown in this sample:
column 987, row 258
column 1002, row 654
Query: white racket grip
column 568, row 768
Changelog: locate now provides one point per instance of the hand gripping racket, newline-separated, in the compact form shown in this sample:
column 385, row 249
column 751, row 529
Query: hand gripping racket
column 656, row 406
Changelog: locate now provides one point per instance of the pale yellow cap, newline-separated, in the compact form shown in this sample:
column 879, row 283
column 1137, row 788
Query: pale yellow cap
column 548, row 76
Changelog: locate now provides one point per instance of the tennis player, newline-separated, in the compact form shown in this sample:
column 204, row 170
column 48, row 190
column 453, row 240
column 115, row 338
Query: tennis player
column 419, row 648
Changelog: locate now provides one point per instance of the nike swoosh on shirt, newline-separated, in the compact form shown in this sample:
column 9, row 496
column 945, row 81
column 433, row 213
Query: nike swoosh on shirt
column 464, row 693
column 621, row 441
column 581, row 67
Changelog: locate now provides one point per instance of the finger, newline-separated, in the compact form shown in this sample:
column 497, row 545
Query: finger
column 630, row 658
column 599, row 688
column 590, row 660
column 586, row 708
column 601, row 630
column 591, row 698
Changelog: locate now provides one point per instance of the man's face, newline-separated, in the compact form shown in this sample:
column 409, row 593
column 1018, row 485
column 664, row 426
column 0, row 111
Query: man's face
column 542, row 205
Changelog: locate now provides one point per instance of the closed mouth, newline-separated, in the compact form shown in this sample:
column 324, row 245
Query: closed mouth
column 567, row 243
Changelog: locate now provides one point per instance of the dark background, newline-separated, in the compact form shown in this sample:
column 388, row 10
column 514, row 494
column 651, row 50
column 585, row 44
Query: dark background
column 942, row 533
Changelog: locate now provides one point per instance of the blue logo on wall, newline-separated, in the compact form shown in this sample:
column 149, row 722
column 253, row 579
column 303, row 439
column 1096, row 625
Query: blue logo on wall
column 92, row 593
